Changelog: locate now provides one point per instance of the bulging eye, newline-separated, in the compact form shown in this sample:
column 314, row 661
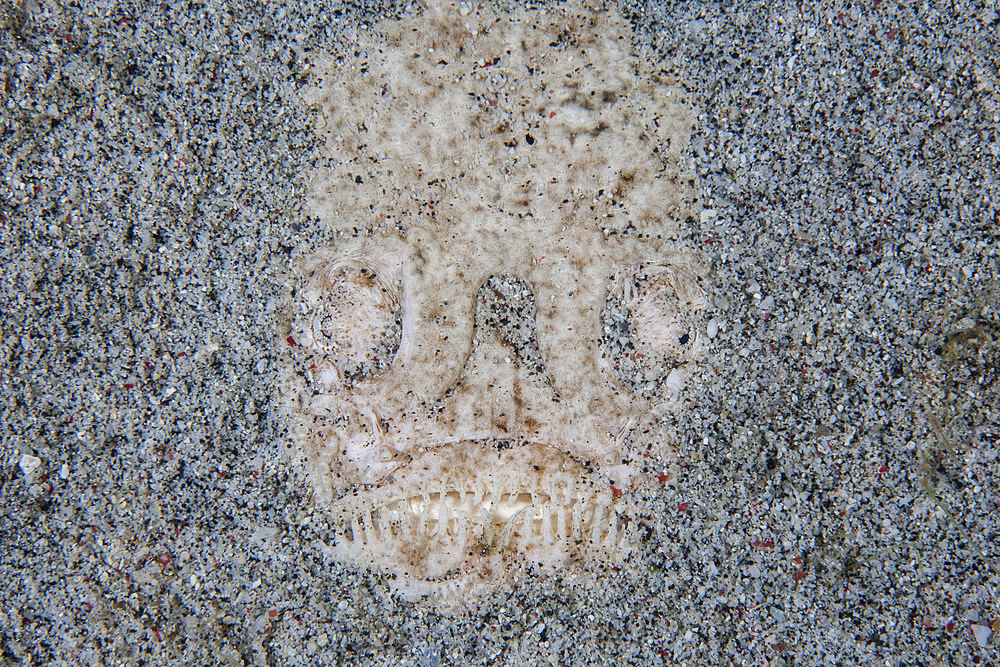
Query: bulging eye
column 349, row 322
column 650, row 323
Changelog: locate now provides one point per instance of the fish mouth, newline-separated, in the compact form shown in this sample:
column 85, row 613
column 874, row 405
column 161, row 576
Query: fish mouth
column 500, row 518
column 465, row 512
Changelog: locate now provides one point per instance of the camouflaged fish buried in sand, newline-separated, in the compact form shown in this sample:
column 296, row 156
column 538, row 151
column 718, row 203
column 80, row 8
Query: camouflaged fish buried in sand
column 478, row 373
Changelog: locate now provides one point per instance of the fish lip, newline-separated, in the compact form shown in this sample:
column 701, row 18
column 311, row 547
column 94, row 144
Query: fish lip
column 425, row 471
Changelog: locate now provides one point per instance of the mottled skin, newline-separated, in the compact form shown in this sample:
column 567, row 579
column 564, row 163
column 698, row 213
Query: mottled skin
column 460, row 147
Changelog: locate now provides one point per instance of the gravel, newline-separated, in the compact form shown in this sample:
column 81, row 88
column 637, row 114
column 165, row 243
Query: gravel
column 834, row 498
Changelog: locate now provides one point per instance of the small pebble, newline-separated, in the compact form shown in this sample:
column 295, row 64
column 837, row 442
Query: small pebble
column 713, row 327
column 982, row 634
column 29, row 464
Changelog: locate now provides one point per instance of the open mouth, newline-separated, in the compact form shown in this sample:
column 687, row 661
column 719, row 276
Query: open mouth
column 435, row 519
column 496, row 516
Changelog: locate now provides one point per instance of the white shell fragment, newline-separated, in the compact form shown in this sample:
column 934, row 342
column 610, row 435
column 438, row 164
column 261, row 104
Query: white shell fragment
column 29, row 464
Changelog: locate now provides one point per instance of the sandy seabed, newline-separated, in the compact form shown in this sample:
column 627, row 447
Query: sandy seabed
column 833, row 498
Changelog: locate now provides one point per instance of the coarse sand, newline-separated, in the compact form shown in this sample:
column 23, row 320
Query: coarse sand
column 833, row 498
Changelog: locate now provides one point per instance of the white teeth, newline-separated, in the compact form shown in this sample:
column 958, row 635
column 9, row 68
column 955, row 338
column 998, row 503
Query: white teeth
column 356, row 530
column 405, row 519
column 546, row 523
column 553, row 516
column 577, row 518
column 368, row 527
column 442, row 516
column 390, row 521
column 611, row 540
column 424, row 511
column 595, row 526
column 549, row 490
column 442, row 502
column 506, row 535
column 561, row 521
column 489, row 534
column 528, row 521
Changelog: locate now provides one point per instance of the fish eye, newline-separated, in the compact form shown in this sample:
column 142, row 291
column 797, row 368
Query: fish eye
column 349, row 324
column 648, row 325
